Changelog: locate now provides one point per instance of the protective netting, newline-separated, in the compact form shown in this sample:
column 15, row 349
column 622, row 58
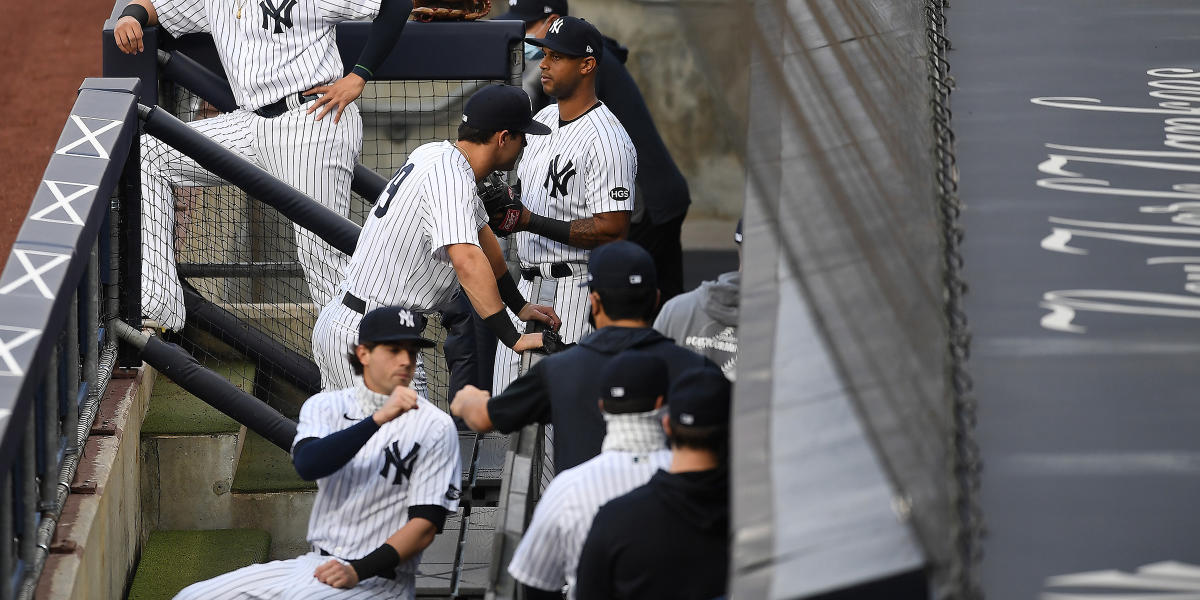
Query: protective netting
column 241, row 255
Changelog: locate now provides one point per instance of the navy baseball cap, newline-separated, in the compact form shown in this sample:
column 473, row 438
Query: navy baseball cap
column 632, row 381
column 620, row 265
column 572, row 36
column 393, row 324
column 500, row 107
column 700, row 397
column 533, row 10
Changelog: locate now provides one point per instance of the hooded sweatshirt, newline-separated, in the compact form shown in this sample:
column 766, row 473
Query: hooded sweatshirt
column 563, row 389
column 705, row 320
column 666, row 539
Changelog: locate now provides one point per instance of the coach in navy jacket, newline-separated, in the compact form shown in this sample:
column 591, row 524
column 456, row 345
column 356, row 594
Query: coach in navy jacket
column 562, row 389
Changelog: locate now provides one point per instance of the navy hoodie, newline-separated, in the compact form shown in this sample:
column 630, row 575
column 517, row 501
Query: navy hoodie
column 563, row 389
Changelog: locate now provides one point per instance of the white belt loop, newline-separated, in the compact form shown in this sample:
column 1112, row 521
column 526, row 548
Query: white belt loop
column 546, row 270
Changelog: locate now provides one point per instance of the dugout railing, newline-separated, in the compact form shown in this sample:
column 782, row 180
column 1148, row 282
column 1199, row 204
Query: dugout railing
column 247, row 296
column 61, row 287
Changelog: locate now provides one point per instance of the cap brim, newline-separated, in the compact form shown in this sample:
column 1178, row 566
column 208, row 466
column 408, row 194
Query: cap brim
column 535, row 128
column 555, row 46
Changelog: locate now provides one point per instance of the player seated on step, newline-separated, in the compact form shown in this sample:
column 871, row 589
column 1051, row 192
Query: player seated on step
column 634, row 387
column 562, row 388
column 286, row 75
column 388, row 471
column 427, row 235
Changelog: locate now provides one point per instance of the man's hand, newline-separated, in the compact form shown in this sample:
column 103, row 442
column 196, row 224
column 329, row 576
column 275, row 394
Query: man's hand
column 542, row 313
column 128, row 35
column 337, row 574
column 339, row 95
column 469, row 394
column 528, row 341
column 402, row 400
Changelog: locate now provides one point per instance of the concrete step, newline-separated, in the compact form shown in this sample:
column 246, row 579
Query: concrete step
column 172, row 560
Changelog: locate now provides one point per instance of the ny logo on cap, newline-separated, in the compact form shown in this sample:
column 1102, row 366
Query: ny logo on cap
column 512, row 2
column 406, row 317
column 617, row 392
column 464, row 118
column 557, row 26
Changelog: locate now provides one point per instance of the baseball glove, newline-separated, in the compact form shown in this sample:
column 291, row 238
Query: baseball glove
column 502, row 204
column 450, row 10
column 552, row 342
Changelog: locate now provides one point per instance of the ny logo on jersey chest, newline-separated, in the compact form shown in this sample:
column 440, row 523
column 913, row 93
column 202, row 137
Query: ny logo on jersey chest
column 557, row 179
column 281, row 15
column 403, row 464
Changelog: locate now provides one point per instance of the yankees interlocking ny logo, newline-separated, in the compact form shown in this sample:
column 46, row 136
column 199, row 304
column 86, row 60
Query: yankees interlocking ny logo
column 282, row 15
column 406, row 317
column 556, row 179
column 557, row 26
column 404, row 466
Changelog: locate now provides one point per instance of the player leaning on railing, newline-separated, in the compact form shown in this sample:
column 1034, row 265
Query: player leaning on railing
column 283, row 65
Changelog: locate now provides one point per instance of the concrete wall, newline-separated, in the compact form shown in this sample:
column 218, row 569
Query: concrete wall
column 96, row 544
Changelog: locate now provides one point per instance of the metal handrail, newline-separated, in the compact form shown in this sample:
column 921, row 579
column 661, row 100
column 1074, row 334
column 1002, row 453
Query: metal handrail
column 56, row 290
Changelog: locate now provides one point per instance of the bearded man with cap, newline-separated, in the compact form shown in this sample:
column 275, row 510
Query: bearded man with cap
column 633, row 388
column 575, row 189
column 427, row 235
column 562, row 388
column 387, row 466
column 670, row 537
column 662, row 197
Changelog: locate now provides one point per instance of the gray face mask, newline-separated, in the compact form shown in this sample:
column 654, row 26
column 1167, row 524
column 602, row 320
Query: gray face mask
column 532, row 53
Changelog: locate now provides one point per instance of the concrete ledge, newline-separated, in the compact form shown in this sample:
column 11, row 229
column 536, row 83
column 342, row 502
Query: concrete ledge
column 95, row 547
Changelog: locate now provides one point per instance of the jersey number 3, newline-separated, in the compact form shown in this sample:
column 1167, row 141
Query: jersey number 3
column 385, row 201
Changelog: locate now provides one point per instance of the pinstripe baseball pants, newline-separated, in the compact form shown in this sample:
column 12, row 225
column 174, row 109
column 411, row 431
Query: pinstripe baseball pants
column 315, row 157
column 290, row 579
column 572, row 305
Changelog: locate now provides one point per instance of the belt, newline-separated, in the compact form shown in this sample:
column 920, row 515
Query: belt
column 557, row 270
column 354, row 303
column 385, row 574
column 280, row 106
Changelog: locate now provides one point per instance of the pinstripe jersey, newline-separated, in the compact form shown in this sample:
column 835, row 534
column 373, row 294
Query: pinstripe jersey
column 275, row 48
column 401, row 257
column 584, row 167
column 634, row 450
column 413, row 460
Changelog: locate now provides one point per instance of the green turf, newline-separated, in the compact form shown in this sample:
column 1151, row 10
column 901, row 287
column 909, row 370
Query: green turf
column 173, row 411
column 172, row 560
column 264, row 467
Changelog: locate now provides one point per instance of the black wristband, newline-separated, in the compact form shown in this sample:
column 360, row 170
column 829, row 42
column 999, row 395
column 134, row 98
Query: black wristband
column 559, row 231
column 503, row 328
column 510, row 294
column 138, row 12
column 380, row 560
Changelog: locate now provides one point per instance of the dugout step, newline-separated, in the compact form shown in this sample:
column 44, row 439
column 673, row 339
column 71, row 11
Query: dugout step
column 173, row 560
column 174, row 411
column 264, row 467
column 489, row 472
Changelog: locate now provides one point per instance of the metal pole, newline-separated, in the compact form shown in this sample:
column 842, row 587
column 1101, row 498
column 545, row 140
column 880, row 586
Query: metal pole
column 75, row 347
column 50, row 430
column 6, row 535
column 29, row 491
column 95, row 295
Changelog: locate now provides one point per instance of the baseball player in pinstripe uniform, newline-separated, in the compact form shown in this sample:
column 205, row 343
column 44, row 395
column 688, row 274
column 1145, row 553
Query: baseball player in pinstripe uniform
column 635, row 447
column 388, row 472
column 577, row 184
column 428, row 233
column 282, row 60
